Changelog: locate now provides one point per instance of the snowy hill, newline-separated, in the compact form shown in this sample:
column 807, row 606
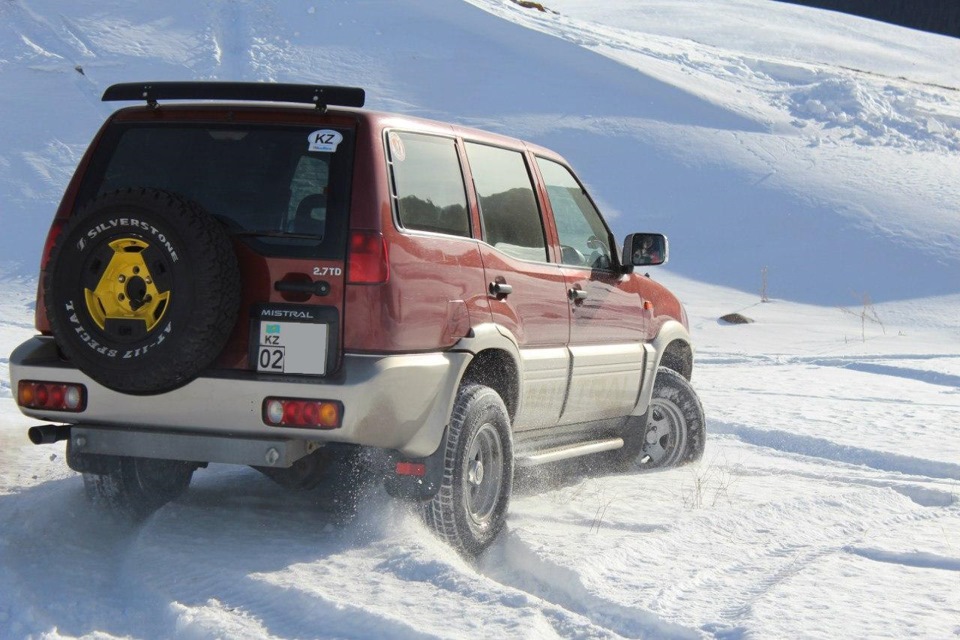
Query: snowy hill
column 823, row 147
column 757, row 135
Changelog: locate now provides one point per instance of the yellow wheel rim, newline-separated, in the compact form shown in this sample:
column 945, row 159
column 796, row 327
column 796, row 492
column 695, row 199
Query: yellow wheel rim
column 126, row 290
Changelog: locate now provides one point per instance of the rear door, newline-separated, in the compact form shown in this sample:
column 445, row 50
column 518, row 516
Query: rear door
column 607, row 323
column 281, row 191
column 527, row 291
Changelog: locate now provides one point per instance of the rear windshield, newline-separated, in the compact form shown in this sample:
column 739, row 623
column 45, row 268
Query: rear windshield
column 285, row 190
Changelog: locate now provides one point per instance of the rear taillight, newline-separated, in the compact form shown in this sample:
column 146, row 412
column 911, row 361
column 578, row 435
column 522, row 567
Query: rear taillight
column 311, row 414
column 52, row 396
column 367, row 262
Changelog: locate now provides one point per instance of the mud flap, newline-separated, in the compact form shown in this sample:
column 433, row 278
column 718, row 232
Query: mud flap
column 415, row 487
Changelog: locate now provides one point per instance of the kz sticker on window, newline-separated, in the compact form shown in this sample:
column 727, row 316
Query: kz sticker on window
column 324, row 140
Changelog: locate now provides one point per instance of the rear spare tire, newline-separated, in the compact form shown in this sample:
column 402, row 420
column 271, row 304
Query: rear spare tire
column 142, row 290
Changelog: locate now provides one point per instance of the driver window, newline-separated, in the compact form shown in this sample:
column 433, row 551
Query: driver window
column 584, row 240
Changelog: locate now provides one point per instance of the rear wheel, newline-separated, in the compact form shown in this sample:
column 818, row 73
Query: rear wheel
column 470, row 508
column 134, row 488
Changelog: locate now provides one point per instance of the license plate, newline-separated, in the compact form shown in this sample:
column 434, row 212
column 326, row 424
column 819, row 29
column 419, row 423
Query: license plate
column 292, row 347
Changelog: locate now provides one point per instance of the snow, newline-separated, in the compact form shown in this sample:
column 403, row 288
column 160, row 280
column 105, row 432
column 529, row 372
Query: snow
column 822, row 147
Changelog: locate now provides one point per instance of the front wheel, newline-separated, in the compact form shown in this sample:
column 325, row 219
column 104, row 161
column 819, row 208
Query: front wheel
column 673, row 431
column 470, row 508
column 134, row 488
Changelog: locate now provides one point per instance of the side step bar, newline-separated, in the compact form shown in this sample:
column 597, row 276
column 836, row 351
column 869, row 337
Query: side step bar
column 568, row 451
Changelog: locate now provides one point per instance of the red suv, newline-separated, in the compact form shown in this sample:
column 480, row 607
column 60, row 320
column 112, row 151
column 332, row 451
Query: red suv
column 283, row 286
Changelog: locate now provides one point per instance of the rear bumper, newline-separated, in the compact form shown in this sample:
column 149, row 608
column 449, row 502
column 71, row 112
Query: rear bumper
column 399, row 402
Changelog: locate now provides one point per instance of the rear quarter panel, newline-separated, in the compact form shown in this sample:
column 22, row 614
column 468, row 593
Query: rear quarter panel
column 436, row 288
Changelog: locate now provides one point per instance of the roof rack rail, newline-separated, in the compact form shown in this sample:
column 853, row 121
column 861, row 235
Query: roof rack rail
column 319, row 95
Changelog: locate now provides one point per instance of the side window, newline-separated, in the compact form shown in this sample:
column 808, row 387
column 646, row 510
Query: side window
column 508, row 208
column 428, row 183
column 584, row 239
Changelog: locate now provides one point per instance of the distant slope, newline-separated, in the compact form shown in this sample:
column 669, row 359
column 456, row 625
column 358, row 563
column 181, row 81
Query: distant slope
column 845, row 183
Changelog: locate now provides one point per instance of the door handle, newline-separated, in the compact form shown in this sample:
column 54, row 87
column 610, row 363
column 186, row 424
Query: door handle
column 500, row 289
column 577, row 295
column 316, row 288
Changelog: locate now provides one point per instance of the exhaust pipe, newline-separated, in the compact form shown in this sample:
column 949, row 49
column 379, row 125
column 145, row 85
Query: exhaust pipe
column 48, row 433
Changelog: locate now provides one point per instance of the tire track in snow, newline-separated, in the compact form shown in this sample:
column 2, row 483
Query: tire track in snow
column 912, row 489
column 191, row 568
column 265, row 556
column 821, row 448
column 477, row 593
column 918, row 560
column 920, row 375
column 796, row 561
column 351, row 583
column 802, row 558
column 766, row 551
column 513, row 563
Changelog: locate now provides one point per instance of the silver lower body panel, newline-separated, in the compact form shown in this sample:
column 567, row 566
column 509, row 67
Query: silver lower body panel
column 400, row 402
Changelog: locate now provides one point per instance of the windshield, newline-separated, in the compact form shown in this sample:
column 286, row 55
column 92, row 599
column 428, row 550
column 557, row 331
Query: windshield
column 285, row 190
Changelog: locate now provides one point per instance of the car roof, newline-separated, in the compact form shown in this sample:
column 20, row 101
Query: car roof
column 283, row 112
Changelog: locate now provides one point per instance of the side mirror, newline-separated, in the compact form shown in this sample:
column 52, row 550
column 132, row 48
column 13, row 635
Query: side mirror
column 644, row 249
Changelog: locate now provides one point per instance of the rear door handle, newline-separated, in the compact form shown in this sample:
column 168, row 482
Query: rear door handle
column 577, row 295
column 317, row 288
column 500, row 289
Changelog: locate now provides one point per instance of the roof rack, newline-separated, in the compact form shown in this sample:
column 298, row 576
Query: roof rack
column 319, row 95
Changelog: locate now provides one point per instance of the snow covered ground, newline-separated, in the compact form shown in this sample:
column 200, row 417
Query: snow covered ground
column 757, row 134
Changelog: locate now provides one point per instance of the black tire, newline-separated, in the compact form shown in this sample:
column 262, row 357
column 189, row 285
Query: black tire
column 673, row 431
column 134, row 488
column 142, row 290
column 470, row 509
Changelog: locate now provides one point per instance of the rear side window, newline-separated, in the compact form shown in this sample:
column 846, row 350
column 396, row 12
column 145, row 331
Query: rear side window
column 428, row 183
column 508, row 208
